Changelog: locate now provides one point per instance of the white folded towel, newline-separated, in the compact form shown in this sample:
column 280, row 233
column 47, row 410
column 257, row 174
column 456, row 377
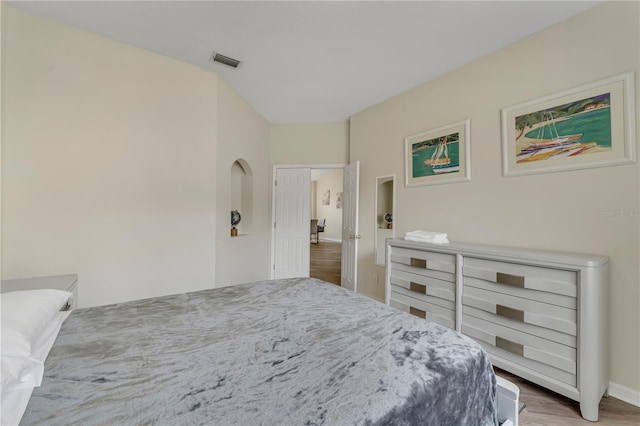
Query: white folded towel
column 427, row 237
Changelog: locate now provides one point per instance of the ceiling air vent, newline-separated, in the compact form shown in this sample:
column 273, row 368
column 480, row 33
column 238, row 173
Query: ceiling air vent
column 233, row 63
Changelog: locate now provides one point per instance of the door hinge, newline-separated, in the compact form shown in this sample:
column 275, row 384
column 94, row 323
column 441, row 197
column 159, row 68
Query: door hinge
column 274, row 224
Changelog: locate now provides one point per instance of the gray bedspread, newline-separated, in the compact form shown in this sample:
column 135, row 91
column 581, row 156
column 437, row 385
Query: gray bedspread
column 284, row 352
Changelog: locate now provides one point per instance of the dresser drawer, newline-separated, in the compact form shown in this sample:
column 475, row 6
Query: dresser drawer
column 447, row 304
column 520, row 310
column 421, row 286
column 436, row 265
column 422, row 309
column 546, row 357
column 545, row 333
column 555, row 286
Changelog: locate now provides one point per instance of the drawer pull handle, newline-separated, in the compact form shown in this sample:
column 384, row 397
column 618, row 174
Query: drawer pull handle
column 420, row 288
column 507, row 312
column 510, row 346
column 417, row 312
column 512, row 280
column 420, row 263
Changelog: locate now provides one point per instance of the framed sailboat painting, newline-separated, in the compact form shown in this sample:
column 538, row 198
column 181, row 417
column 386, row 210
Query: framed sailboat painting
column 438, row 156
column 588, row 126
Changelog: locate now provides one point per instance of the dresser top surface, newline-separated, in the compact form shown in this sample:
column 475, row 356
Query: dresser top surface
column 506, row 253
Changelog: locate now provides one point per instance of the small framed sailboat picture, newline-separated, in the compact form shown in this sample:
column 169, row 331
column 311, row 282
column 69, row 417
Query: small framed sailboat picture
column 588, row 126
column 438, row 156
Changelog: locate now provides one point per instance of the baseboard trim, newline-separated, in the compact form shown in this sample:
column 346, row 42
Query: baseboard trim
column 623, row 393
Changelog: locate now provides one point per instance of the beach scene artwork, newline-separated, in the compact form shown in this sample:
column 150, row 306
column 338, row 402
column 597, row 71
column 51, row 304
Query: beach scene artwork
column 572, row 129
column 436, row 156
column 589, row 126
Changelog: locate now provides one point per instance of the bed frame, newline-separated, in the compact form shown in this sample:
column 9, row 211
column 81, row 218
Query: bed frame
column 508, row 402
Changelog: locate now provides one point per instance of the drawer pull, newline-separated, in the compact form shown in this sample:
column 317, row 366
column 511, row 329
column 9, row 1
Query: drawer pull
column 420, row 263
column 512, row 280
column 420, row 288
column 417, row 312
column 510, row 346
column 507, row 312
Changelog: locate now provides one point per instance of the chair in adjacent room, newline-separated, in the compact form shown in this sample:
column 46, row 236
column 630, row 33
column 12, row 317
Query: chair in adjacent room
column 321, row 224
column 314, row 231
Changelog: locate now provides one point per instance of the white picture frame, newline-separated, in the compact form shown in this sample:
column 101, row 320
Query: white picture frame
column 438, row 156
column 592, row 125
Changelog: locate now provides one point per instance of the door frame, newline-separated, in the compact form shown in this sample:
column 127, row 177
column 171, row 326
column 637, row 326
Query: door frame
column 273, row 198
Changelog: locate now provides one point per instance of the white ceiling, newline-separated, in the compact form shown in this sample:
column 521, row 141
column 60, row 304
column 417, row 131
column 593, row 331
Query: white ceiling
column 314, row 61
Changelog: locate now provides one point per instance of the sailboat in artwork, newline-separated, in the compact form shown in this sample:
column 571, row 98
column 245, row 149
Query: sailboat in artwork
column 557, row 145
column 440, row 161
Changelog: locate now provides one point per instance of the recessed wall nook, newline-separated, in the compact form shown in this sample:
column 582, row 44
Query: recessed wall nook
column 241, row 196
column 385, row 190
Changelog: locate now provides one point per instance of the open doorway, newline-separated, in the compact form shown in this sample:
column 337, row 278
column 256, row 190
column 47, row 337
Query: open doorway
column 326, row 221
column 291, row 212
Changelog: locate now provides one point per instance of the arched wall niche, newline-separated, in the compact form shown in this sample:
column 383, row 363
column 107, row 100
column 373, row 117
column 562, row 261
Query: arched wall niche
column 242, row 194
column 385, row 203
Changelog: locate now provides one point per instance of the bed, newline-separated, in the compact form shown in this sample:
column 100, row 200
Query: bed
column 294, row 351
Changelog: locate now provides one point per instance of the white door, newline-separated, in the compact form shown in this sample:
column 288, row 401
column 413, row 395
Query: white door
column 350, row 237
column 292, row 223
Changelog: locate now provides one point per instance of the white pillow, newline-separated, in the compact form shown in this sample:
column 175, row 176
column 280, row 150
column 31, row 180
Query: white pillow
column 20, row 373
column 25, row 314
column 18, row 380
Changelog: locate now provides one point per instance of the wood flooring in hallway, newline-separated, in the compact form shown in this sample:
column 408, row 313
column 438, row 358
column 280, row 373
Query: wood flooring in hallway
column 325, row 261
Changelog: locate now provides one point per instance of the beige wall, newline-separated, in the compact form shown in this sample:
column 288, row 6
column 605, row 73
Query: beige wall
column 330, row 180
column 242, row 134
column 115, row 165
column 310, row 143
column 563, row 211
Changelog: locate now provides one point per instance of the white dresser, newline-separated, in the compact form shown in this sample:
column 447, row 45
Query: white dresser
column 57, row 282
column 541, row 315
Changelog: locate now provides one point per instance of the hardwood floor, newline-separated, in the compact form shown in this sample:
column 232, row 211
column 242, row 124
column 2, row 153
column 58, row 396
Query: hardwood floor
column 544, row 407
column 325, row 261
